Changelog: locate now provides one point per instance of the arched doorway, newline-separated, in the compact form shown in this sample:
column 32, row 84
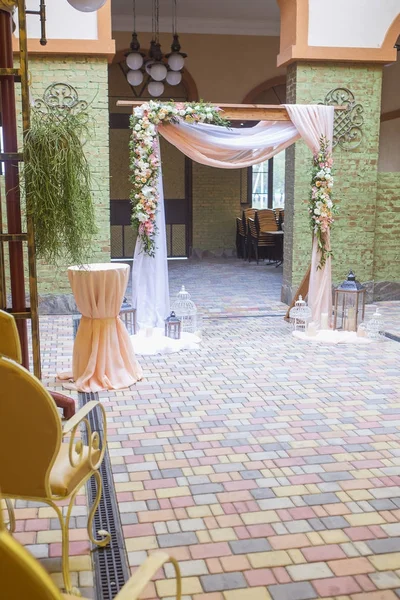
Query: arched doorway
column 177, row 169
column 266, row 181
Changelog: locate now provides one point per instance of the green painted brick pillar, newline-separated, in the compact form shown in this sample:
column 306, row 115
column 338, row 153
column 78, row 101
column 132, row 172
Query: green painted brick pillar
column 356, row 171
column 89, row 76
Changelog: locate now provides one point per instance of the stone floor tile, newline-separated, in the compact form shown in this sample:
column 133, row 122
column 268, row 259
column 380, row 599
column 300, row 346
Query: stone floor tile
column 305, row 572
column 292, row 591
column 248, row 546
column 336, row 586
column 223, row 581
column 386, row 562
column 385, row 580
column 256, row 593
column 351, row 566
column 278, row 558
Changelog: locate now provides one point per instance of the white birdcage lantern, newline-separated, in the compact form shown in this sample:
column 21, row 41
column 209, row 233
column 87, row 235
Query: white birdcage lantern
column 376, row 326
column 185, row 309
column 300, row 315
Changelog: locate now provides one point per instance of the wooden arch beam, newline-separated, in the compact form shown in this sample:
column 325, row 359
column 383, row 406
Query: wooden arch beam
column 243, row 112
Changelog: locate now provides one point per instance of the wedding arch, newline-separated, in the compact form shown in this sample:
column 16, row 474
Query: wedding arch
column 201, row 131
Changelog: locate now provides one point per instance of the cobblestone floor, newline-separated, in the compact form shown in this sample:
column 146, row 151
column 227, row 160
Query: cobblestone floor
column 269, row 467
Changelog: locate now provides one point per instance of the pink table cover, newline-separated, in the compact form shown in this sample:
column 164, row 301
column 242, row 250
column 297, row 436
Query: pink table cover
column 103, row 356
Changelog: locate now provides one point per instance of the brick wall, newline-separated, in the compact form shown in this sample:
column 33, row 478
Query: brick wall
column 89, row 77
column 356, row 175
column 216, row 203
column 387, row 238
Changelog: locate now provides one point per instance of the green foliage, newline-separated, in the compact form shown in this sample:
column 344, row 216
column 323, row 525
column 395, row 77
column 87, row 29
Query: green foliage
column 58, row 186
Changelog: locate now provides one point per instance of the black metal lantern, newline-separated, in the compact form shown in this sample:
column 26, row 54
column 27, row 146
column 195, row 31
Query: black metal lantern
column 349, row 304
column 128, row 316
column 173, row 327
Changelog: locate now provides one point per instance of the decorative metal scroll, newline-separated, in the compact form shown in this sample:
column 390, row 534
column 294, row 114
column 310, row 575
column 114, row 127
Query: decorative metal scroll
column 60, row 98
column 347, row 127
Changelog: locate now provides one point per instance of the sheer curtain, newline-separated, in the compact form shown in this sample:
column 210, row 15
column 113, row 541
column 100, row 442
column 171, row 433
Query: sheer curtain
column 225, row 148
column 150, row 287
column 312, row 122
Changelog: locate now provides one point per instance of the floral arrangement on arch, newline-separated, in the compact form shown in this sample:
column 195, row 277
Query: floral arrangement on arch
column 321, row 208
column 145, row 157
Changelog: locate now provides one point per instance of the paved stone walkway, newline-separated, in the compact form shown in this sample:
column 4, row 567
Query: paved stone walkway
column 268, row 467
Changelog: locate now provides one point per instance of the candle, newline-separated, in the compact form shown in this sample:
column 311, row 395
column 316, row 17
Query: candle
column 362, row 331
column 149, row 331
column 312, row 329
column 324, row 321
column 351, row 319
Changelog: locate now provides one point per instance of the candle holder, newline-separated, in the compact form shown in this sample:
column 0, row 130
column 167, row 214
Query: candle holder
column 349, row 306
column 173, row 327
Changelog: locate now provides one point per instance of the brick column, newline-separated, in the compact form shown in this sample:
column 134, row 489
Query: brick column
column 355, row 188
column 89, row 76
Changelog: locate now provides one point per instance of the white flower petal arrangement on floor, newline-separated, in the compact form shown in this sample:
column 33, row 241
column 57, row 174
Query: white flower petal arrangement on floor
column 153, row 341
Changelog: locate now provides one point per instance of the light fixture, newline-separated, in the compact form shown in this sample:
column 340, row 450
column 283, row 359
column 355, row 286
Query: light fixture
column 176, row 58
column 134, row 77
column 174, row 77
column 134, row 58
column 154, row 65
column 158, row 71
column 156, row 88
column 87, row 5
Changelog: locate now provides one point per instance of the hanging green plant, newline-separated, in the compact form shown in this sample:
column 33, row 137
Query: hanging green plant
column 58, row 184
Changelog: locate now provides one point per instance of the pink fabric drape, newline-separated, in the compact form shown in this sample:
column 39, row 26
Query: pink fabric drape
column 103, row 356
column 312, row 122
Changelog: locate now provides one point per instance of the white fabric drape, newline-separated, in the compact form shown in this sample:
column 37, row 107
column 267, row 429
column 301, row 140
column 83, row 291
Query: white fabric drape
column 312, row 122
column 220, row 147
column 224, row 148
column 150, row 287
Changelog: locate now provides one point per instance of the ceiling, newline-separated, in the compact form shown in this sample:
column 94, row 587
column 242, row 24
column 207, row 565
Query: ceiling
column 238, row 17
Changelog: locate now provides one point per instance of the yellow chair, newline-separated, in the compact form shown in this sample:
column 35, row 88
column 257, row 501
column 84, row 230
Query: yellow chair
column 22, row 577
column 9, row 339
column 35, row 463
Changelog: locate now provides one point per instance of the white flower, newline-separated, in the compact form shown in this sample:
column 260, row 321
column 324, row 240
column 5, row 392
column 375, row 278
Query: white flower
column 141, row 216
column 182, row 112
column 189, row 110
column 137, row 127
column 147, row 191
column 138, row 111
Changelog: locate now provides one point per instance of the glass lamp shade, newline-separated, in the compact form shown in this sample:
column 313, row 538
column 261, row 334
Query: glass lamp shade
column 87, row 5
column 174, row 77
column 155, row 88
column 158, row 71
column 134, row 60
column 134, row 77
column 176, row 61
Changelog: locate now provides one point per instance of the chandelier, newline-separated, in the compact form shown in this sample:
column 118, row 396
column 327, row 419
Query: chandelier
column 154, row 65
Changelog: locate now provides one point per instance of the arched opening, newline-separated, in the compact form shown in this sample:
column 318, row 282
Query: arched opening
column 266, row 181
column 177, row 169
